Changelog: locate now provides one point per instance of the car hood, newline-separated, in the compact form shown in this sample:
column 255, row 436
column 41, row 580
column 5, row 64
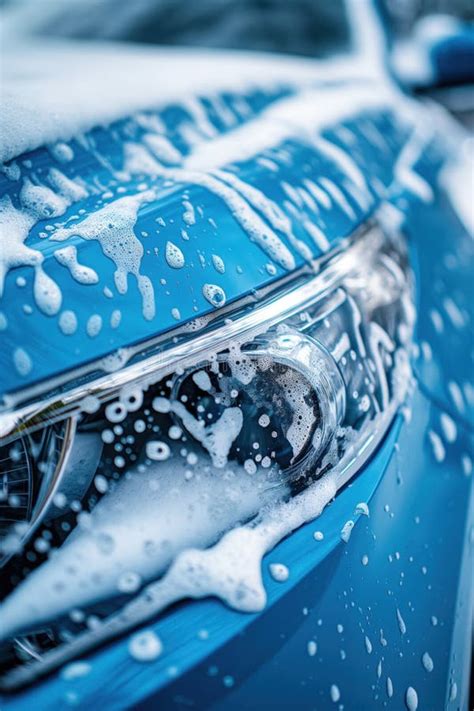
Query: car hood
column 143, row 189
column 54, row 89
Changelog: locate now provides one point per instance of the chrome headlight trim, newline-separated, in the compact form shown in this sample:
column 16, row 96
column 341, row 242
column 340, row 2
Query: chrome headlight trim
column 56, row 399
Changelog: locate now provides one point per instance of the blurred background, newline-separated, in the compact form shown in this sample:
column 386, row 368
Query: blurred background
column 430, row 43
column 294, row 26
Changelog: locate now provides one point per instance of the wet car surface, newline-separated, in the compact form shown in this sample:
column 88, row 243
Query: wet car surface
column 228, row 327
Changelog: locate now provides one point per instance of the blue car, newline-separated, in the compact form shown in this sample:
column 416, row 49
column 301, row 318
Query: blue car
column 236, row 365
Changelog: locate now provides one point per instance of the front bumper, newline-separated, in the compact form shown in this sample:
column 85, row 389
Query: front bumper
column 399, row 589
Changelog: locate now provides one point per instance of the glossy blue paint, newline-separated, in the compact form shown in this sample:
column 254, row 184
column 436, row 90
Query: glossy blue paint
column 444, row 259
column 418, row 538
column 99, row 164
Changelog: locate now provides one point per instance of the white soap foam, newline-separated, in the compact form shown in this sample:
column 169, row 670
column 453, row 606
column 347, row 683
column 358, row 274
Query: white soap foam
column 94, row 325
column 148, row 518
column 218, row 263
column 162, row 148
column 22, row 361
column 189, row 215
column 67, row 256
column 214, row 294
column 112, row 226
column 67, row 188
column 68, row 322
column 174, row 256
column 218, row 437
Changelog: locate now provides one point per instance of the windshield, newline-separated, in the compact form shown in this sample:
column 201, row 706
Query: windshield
column 304, row 27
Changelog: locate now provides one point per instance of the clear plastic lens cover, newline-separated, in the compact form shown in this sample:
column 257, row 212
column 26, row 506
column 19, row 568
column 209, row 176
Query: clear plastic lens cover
column 96, row 507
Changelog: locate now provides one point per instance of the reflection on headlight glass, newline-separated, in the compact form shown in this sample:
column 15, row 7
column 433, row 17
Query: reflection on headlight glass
column 94, row 510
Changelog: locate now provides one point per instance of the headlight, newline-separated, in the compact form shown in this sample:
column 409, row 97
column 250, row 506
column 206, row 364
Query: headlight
column 253, row 418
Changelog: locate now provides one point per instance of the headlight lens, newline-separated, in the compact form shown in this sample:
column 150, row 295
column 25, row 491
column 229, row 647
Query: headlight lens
column 174, row 450
column 30, row 473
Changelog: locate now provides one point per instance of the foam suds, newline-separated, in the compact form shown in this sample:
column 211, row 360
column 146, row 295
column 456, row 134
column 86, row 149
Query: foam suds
column 67, row 188
column 257, row 229
column 202, row 380
column 405, row 172
column 318, row 193
column 112, row 226
column 401, row 622
column 174, row 256
column 411, row 699
column 218, row 263
column 347, row 166
column 162, row 148
column 427, row 662
column 38, row 202
column 346, row 531
column 189, row 215
column 22, row 361
column 41, row 201
column 145, row 646
column 439, row 450
column 300, row 115
column 317, row 235
column 266, row 207
column 62, row 152
column 338, row 197
column 231, row 569
column 297, row 389
column 115, row 318
column 15, row 226
column 94, row 325
column 67, row 256
column 214, row 294
column 68, row 322
column 131, row 532
column 216, row 438
column 279, row 572
column 47, row 293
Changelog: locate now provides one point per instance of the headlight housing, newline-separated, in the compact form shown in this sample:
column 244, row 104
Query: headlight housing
column 214, row 427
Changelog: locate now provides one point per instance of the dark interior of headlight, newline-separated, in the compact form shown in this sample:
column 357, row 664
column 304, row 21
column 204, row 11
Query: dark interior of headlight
column 30, row 471
column 16, row 492
column 254, row 416
column 267, row 400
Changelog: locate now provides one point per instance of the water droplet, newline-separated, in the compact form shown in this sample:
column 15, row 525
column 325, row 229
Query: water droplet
column 411, row 699
column 76, row 670
column 68, row 322
column 214, row 294
column 158, row 451
column 145, row 646
column 174, row 256
column 94, row 325
column 279, row 572
column 218, row 263
column 129, row 582
column 427, row 662
column 22, row 362
column 401, row 622
column 347, row 530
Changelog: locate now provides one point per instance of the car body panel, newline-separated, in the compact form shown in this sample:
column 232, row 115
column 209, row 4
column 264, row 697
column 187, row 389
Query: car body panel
column 445, row 312
column 376, row 137
column 416, row 491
